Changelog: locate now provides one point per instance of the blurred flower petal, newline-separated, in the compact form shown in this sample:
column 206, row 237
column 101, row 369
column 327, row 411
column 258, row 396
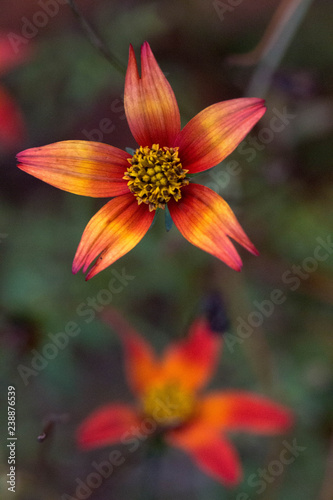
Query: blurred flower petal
column 193, row 359
column 12, row 129
column 242, row 411
column 106, row 426
column 140, row 359
column 10, row 54
column 216, row 456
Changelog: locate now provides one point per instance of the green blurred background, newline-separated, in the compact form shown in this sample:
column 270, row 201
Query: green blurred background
column 282, row 195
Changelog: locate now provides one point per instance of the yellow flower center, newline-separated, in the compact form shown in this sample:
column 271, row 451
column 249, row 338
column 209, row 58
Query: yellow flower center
column 168, row 405
column 155, row 176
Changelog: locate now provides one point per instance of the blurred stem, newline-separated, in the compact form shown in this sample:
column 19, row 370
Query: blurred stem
column 96, row 40
column 274, row 44
column 151, row 468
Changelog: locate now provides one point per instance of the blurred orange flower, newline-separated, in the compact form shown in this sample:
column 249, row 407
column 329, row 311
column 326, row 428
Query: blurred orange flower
column 156, row 175
column 12, row 128
column 170, row 403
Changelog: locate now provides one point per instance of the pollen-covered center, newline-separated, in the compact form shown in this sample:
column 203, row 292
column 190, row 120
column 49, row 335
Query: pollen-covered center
column 169, row 404
column 156, row 175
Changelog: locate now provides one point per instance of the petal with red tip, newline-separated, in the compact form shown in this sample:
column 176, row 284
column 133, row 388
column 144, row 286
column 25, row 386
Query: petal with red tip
column 12, row 128
column 216, row 131
column 106, row 426
column 242, row 411
column 216, row 456
column 111, row 233
column 192, row 361
column 150, row 104
column 207, row 222
column 140, row 359
column 80, row 167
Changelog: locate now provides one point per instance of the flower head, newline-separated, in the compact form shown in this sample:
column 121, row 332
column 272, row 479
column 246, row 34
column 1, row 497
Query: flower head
column 170, row 402
column 156, row 174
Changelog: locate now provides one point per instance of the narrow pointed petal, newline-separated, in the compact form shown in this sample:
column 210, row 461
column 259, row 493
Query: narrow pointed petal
column 216, row 131
column 80, row 167
column 140, row 359
column 242, row 411
column 192, row 361
column 12, row 129
column 106, row 426
column 207, row 222
column 150, row 104
column 216, row 456
column 117, row 228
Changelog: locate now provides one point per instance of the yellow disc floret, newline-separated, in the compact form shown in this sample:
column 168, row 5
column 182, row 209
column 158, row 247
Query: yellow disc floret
column 168, row 404
column 156, row 175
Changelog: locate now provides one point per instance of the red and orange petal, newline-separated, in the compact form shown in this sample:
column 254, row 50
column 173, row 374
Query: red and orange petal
column 107, row 425
column 140, row 360
column 150, row 104
column 192, row 361
column 243, row 411
column 117, row 228
column 207, row 222
column 216, row 131
column 215, row 455
column 12, row 128
column 80, row 167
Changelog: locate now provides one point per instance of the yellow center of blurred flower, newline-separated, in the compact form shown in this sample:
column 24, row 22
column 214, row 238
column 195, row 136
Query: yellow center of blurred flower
column 156, row 175
column 168, row 405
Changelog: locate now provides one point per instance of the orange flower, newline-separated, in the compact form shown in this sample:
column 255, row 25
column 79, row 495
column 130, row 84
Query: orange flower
column 156, row 175
column 169, row 402
column 12, row 129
